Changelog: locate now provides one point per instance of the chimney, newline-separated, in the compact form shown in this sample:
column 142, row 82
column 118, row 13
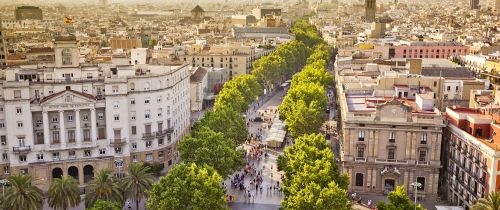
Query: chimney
column 415, row 66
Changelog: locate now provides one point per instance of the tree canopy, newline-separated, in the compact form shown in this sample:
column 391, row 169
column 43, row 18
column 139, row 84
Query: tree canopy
column 188, row 186
column 398, row 199
column 213, row 149
column 106, row 205
column 233, row 128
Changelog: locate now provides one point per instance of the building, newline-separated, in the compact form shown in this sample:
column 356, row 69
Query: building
column 496, row 6
column 76, row 119
column 197, row 13
column 198, row 83
column 474, row 4
column 260, row 13
column 261, row 33
column 391, row 141
column 430, row 50
column 127, row 44
column 471, row 160
column 370, row 10
column 28, row 12
column 3, row 51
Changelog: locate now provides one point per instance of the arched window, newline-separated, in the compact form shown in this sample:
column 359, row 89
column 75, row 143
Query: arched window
column 146, row 86
column 66, row 57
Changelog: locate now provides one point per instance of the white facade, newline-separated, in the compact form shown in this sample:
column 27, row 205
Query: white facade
column 74, row 120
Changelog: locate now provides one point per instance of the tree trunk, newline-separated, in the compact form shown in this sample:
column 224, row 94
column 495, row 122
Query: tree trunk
column 137, row 204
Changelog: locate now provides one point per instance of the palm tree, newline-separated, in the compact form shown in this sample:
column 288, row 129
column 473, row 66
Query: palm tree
column 492, row 202
column 22, row 194
column 64, row 193
column 137, row 182
column 104, row 186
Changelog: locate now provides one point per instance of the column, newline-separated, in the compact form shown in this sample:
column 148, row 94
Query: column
column 46, row 130
column 93, row 123
column 408, row 146
column 78, row 131
column 62, row 132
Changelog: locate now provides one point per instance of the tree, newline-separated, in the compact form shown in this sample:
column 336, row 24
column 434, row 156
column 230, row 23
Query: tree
column 232, row 98
column 213, row 149
column 103, row 187
column 492, row 202
column 64, row 193
column 188, row 186
column 314, row 196
column 304, row 119
column 312, row 74
column 307, row 92
column 137, row 182
column 106, row 205
column 22, row 194
column 247, row 85
column 398, row 200
column 233, row 128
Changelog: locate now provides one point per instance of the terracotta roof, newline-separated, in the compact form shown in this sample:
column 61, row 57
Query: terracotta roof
column 72, row 91
column 197, row 9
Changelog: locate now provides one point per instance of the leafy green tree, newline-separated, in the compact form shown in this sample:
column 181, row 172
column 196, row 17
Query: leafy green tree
column 231, row 97
column 106, row 205
column 491, row 202
column 247, row 85
column 22, row 194
column 64, row 193
column 188, row 186
column 307, row 92
column 316, row 197
column 213, row 149
column 305, row 119
column 233, row 128
column 398, row 199
column 137, row 182
column 104, row 186
column 313, row 75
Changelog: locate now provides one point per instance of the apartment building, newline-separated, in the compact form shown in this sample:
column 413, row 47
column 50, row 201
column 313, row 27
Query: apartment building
column 391, row 141
column 430, row 50
column 471, row 164
column 2, row 48
column 238, row 60
column 75, row 119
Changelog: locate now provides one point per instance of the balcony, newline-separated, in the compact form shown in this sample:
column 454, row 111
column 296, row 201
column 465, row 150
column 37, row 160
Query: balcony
column 24, row 149
column 392, row 161
column 360, row 159
column 117, row 141
column 425, row 163
column 147, row 136
column 163, row 133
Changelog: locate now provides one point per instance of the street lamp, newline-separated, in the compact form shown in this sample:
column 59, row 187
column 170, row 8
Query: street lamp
column 415, row 186
column 3, row 182
column 119, row 165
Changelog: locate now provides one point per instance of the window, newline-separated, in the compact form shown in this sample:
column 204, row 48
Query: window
column 361, row 152
column 421, row 180
column 117, row 117
column 89, row 75
column 160, row 154
column 160, row 141
column 134, row 158
column 146, row 86
column 118, row 150
column 3, row 140
column 17, row 93
column 149, row 157
column 361, row 135
column 423, row 138
column 149, row 144
column 55, row 156
column 115, row 104
column 87, row 153
column 100, row 115
column 147, row 114
column 72, row 154
column 392, row 137
column 22, row 158
column 114, row 88
column 159, row 112
column 70, row 118
column 6, row 170
column 132, row 115
column 146, row 100
column 134, row 146
column 54, row 119
column 66, row 56
column 102, row 151
column 422, row 155
column 435, row 83
column 134, row 130
column 85, row 117
column 132, row 101
column 391, row 154
column 39, row 156
column 19, row 124
column 448, row 88
column 359, row 180
column 19, row 110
